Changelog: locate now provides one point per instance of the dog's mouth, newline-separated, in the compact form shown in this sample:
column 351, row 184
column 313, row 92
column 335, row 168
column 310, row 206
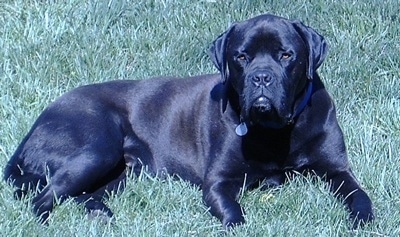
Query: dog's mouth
column 263, row 112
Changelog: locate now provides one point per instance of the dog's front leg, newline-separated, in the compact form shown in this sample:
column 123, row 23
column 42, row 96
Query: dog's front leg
column 344, row 185
column 220, row 196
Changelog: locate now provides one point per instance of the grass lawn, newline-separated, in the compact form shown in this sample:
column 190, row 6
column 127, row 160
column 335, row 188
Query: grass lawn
column 48, row 47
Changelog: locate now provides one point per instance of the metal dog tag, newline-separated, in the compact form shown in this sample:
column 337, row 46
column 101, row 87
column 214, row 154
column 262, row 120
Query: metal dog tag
column 241, row 129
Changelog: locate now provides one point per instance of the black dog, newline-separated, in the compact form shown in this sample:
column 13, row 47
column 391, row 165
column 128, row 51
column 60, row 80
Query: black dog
column 269, row 115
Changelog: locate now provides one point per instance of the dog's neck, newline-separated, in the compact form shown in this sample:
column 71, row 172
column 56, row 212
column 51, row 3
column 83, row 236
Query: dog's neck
column 303, row 103
column 233, row 98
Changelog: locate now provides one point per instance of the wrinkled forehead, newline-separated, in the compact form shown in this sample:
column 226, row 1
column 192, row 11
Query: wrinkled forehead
column 265, row 33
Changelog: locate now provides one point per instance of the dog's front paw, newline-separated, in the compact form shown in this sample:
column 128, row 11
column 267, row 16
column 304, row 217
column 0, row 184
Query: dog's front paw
column 233, row 221
column 361, row 212
column 361, row 218
column 360, row 209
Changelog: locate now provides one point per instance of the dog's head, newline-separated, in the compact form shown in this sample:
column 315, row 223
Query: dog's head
column 268, row 61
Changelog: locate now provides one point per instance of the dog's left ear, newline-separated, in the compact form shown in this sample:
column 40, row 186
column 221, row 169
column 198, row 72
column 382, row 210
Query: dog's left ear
column 217, row 53
column 317, row 47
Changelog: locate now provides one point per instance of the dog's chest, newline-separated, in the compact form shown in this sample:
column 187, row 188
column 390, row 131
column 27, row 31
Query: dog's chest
column 268, row 150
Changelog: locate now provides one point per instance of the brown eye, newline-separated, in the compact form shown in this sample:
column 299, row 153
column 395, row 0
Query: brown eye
column 241, row 57
column 286, row 56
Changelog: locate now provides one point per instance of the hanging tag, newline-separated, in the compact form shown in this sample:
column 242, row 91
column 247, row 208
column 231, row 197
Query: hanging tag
column 241, row 129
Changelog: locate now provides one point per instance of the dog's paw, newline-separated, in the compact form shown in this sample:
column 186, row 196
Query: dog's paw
column 360, row 219
column 97, row 210
column 44, row 218
column 19, row 194
column 361, row 212
column 100, row 215
column 230, row 223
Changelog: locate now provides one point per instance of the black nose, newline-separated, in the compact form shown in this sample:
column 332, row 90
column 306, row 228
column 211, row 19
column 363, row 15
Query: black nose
column 262, row 78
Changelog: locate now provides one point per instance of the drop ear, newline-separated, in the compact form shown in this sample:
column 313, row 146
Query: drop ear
column 217, row 53
column 316, row 46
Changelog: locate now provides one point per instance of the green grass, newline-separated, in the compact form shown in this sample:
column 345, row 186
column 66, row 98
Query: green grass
column 49, row 47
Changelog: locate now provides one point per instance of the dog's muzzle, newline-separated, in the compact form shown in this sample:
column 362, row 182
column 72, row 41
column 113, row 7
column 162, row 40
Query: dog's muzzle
column 263, row 112
column 262, row 105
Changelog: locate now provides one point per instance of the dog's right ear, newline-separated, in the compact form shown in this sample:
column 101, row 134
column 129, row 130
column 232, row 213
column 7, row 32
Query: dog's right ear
column 217, row 53
column 316, row 44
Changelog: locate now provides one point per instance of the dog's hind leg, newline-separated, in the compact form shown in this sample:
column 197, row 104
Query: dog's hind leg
column 87, row 183
column 94, row 201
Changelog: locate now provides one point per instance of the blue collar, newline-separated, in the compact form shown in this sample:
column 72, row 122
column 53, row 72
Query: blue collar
column 303, row 103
